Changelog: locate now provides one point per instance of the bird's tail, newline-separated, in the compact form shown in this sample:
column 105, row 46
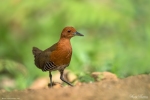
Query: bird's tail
column 36, row 51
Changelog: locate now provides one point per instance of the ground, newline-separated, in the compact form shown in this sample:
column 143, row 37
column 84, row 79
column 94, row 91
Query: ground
column 130, row 88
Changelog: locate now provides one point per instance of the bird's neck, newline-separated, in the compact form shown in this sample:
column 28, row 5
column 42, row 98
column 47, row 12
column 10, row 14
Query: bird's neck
column 64, row 40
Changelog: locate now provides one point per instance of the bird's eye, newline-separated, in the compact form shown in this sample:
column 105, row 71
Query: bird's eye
column 69, row 31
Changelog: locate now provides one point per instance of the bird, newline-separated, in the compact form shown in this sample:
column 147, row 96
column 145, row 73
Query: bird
column 58, row 56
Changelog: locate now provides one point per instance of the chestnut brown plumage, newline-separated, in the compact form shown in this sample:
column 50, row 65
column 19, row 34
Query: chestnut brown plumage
column 58, row 56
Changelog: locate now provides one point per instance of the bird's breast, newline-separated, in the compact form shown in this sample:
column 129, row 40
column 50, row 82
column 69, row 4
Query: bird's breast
column 61, row 56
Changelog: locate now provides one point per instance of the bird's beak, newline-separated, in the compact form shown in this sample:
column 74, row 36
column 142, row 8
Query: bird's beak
column 78, row 34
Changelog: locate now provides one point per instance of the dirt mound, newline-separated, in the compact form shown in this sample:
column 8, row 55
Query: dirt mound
column 131, row 88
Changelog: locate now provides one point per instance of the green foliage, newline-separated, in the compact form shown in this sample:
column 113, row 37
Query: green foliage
column 117, row 35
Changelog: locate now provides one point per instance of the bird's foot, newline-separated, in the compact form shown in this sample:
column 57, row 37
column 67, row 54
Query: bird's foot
column 50, row 85
column 54, row 85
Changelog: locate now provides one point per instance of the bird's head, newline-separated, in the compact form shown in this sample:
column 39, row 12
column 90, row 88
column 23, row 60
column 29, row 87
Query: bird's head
column 69, row 32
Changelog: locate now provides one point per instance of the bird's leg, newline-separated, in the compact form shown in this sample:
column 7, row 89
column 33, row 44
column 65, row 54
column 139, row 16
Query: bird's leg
column 61, row 77
column 50, row 76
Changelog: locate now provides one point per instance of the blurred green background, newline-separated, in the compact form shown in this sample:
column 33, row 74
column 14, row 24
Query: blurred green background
column 117, row 37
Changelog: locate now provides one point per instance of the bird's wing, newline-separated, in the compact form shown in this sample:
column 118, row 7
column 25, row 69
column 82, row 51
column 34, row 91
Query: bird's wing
column 49, row 66
column 52, row 48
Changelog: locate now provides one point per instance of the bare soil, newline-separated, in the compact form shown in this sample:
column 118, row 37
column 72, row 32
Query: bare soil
column 130, row 88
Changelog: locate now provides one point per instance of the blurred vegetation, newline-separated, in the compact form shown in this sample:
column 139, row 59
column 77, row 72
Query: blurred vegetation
column 117, row 36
